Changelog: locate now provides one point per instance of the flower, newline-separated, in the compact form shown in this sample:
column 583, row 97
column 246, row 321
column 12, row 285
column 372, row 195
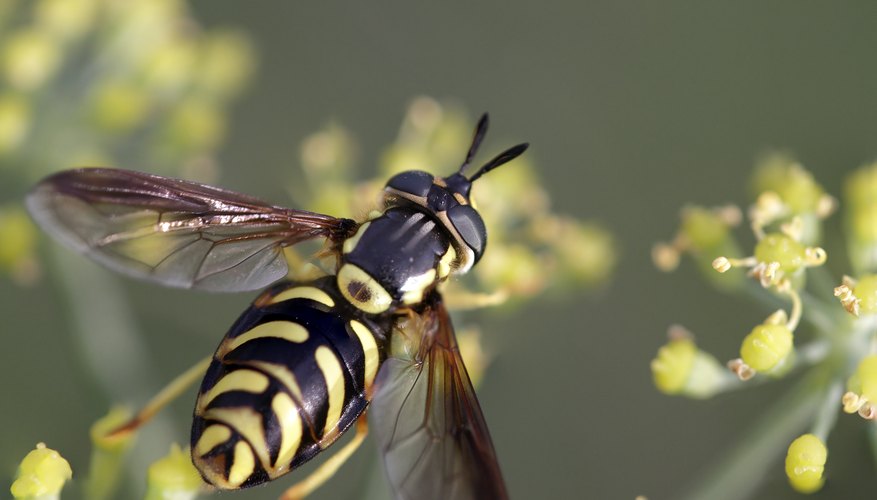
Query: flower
column 786, row 267
column 805, row 463
column 41, row 474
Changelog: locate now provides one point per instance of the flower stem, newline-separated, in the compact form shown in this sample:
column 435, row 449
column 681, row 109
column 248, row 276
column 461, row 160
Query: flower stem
column 742, row 469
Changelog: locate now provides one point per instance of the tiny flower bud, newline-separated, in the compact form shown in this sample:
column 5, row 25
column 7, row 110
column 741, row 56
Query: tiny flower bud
column 805, row 463
column 42, row 473
column 682, row 369
column 779, row 248
column 766, row 346
column 173, row 477
column 29, row 58
column 862, row 389
column 866, row 293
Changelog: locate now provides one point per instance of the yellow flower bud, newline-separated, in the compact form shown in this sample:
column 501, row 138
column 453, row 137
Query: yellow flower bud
column 780, row 248
column 173, row 476
column 682, row 369
column 42, row 472
column 119, row 106
column 196, row 125
column 766, row 346
column 672, row 366
column 805, row 463
column 30, row 57
column 863, row 382
column 704, row 228
column 788, row 179
column 225, row 64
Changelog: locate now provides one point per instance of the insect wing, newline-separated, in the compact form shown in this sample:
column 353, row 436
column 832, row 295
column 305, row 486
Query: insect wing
column 426, row 418
column 174, row 232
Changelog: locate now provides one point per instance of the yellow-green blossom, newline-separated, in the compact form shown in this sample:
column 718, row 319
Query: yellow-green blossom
column 858, row 296
column 41, row 475
column 173, row 477
column 805, row 463
column 680, row 368
column 786, row 219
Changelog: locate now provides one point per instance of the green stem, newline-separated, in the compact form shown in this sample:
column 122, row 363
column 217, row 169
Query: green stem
column 741, row 470
column 106, row 339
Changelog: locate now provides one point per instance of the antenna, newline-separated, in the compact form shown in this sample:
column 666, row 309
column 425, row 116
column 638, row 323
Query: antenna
column 504, row 157
column 480, row 132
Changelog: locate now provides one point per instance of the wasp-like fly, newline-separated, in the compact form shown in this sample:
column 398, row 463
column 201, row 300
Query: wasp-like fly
column 301, row 365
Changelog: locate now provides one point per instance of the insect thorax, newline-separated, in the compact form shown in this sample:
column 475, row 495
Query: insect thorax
column 394, row 260
column 291, row 375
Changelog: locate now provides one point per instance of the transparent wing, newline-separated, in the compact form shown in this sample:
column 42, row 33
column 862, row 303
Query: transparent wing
column 174, row 232
column 427, row 420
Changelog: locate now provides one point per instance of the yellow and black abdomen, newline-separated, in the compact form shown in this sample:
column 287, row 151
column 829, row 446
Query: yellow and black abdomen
column 293, row 373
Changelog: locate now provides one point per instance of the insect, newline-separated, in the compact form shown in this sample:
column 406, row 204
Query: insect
column 301, row 365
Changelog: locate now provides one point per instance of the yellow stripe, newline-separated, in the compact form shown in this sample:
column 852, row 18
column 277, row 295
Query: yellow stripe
column 243, row 466
column 332, row 374
column 350, row 243
column 248, row 424
column 282, row 374
column 369, row 351
column 238, row 380
column 374, row 300
column 444, row 265
column 286, row 330
column 413, row 288
column 212, row 437
column 290, row 430
column 304, row 292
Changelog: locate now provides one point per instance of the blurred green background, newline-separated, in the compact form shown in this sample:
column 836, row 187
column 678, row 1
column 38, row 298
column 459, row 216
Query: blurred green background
column 633, row 109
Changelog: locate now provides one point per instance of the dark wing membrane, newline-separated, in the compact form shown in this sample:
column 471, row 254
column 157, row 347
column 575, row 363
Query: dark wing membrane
column 427, row 420
column 175, row 232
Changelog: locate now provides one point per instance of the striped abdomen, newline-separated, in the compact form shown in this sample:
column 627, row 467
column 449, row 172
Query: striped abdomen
column 292, row 374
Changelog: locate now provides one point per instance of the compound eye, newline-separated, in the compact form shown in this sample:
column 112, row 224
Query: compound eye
column 469, row 224
column 413, row 182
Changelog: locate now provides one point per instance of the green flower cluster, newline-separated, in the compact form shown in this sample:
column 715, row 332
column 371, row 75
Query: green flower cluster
column 134, row 83
column 108, row 82
column 786, row 266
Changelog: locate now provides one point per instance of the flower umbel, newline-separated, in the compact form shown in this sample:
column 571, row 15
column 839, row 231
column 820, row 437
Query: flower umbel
column 787, row 267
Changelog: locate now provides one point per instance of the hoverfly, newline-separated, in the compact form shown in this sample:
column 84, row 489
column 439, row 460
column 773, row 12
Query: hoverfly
column 301, row 364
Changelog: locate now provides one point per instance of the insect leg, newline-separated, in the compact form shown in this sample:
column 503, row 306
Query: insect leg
column 170, row 392
column 328, row 468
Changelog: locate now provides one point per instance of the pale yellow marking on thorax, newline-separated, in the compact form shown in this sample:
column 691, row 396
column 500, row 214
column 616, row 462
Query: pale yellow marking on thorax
column 334, row 377
column 350, row 243
column 373, row 299
column 248, row 423
column 415, row 286
column 282, row 374
column 238, row 380
column 444, row 265
column 243, row 466
column 370, row 352
column 213, row 436
column 290, row 430
column 304, row 292
column 287, row 330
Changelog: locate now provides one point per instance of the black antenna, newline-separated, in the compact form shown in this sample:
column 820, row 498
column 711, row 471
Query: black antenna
column 504, row 157
column 480, row 132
